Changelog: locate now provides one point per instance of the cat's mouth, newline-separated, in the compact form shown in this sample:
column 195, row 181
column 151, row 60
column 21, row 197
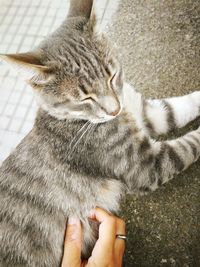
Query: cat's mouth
column 107, row 117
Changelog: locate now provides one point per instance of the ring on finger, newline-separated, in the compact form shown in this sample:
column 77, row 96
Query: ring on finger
column 122, row 237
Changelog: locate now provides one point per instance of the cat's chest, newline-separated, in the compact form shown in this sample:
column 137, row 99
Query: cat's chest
column 109, row 195
column 80, row 194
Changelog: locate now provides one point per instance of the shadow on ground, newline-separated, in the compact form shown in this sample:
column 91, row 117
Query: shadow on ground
column 160, row 47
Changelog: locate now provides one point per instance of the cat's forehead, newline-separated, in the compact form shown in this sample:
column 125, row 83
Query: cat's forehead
column 76, row 41
column 83, row 45
column 80, row 55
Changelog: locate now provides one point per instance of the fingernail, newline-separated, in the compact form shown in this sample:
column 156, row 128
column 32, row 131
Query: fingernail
column 73, row 220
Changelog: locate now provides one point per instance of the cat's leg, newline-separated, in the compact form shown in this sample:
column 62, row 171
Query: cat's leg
column 159, row 116
column 163, row 115
column 167, row 158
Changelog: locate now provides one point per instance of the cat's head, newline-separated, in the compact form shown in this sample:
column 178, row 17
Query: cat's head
column 75, row 71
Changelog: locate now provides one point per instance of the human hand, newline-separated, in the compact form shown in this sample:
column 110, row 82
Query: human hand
column 108, row 251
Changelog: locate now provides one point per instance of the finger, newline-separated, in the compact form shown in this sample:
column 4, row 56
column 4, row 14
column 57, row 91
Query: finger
column 72, row 245
column 99, row 214
column 107, row 228
column 119, row 247
column 103, row 250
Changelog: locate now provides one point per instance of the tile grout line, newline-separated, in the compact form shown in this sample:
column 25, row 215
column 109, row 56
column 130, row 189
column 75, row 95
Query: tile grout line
column 25, row 86
column 16, row 78
column 39, row 26
column 8, row 71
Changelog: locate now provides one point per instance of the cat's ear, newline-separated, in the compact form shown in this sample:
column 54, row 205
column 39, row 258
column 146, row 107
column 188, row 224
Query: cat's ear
column 81, row 8
column 29, row 66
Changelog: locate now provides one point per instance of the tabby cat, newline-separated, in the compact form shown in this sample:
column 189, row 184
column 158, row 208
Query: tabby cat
column 92, row 142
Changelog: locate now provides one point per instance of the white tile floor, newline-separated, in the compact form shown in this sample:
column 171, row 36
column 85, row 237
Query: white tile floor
column 23, row 24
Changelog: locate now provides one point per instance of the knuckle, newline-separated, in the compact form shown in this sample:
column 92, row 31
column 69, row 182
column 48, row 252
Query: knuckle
column 70, row 235
column 69, row 240
column 122, row 223
column 112, row 220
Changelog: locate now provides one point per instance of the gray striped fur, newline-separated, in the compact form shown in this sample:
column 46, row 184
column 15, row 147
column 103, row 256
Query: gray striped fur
column 83, row 153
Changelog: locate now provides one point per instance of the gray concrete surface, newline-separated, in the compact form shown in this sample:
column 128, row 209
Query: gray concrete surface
column 160, row 47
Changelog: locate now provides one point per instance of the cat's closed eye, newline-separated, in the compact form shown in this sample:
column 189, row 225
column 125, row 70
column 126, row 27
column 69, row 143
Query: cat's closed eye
column 60, row 104
column 108, row 70
column 112, row 78
column 89, row 98
column 83, row 88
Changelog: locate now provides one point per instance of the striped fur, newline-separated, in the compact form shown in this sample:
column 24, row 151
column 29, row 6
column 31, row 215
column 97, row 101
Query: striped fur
column 91, row 143
column 155, row 117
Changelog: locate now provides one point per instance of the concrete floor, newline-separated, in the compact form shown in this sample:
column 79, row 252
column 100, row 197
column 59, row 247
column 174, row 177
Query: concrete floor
column 160, row 46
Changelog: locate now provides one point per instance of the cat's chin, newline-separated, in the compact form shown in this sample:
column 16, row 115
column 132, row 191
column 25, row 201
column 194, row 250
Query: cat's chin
column 103, row 120
column 68, row 116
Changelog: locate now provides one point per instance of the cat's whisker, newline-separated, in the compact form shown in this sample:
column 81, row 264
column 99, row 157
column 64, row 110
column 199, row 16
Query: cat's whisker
column 92, row 128
column 88, row 134
column 88, row 128
column 80, row 138
column 79, row 131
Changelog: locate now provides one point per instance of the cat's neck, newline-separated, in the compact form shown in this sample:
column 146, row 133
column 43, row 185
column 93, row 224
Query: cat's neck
column 67, row 127
column 66, row 131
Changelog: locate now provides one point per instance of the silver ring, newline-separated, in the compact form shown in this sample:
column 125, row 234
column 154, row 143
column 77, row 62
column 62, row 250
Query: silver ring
column 123, row 237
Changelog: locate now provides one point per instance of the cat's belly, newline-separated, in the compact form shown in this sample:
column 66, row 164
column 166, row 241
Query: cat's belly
column 108, row 198
column 34, row 213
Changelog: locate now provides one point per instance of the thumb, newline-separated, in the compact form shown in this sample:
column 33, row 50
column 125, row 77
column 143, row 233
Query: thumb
column 72, row 245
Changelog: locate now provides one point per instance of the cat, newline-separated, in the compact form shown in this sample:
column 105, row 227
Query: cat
column 92, row 142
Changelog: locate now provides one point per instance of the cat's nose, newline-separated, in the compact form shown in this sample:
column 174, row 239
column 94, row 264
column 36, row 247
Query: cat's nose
column 115, row 112
column 110, row 105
